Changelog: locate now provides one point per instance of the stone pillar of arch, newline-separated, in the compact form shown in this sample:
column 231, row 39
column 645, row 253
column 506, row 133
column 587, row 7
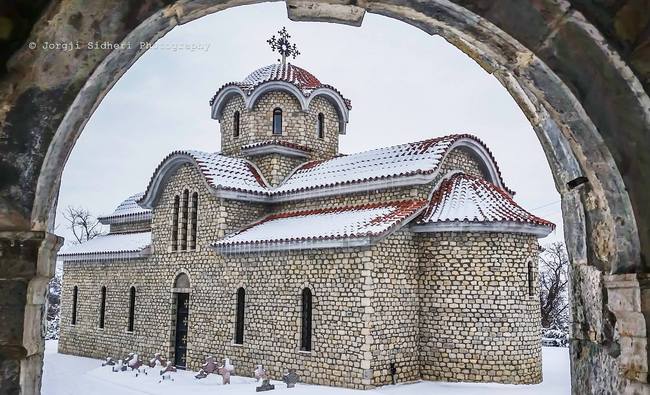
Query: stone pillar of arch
column 580, row 71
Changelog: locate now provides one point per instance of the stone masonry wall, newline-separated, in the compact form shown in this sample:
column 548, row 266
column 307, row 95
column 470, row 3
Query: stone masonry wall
column 298, row 126
column 139, row 226
column 276, row 167
column 395, row 309
column 366, row 311
column 477, row 319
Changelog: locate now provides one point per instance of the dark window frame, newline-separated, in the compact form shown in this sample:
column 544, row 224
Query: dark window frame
column 240, row 316
column 131, row 321
column 321, row 125
column 306, row 320
column 277, row 121
column 194, row 220
column 184, row 218
column 236, row 124
column 176, row 211
column 102, row 307
column 530, row 279
column 75, row 300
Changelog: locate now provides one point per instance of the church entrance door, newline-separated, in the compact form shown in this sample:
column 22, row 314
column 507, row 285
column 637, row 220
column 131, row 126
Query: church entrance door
column 182, row 317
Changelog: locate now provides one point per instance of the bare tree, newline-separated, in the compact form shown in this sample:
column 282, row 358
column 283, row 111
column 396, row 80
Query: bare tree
column 554, row 298
column 82, row 223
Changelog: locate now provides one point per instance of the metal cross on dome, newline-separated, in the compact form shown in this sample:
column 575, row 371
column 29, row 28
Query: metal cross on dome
column 282, row 45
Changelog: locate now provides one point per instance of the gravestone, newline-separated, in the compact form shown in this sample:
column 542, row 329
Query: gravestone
column 266, row 386
column 208, row 367
column 109, row 362
column 166, row 372
column 290, row 378
column 157, row 360
column 260, row 373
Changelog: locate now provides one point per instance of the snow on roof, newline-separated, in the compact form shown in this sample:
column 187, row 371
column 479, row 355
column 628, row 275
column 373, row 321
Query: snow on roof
column 115, row 244
column 287, row 72
column 421, row 157
column 352, row 222
column 129, row 209
column 463, row 198
column 229, row 173
column 390, row 164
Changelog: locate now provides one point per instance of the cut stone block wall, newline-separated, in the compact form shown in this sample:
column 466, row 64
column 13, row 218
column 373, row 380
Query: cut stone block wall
column 477, row 319
column 298, row 126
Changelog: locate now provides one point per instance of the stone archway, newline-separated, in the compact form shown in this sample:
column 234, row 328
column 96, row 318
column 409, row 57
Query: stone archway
column 579, row 70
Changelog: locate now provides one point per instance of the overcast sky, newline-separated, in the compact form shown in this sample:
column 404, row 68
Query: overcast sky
column 404, row 86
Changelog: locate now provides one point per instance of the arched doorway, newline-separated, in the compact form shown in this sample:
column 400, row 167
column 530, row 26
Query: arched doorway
column 180, row 320
column 576, row 78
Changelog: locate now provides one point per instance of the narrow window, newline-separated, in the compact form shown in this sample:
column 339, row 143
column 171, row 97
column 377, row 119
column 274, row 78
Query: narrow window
column 530, row 279
column 193, row 220
column 235, row 125
column 321, row 126
column 183, row 221
column 305, row 338
column 239, row 319
column 75, row 293
column 131, row 309
column 102, row 307
column 277, row 121
column 177, row 203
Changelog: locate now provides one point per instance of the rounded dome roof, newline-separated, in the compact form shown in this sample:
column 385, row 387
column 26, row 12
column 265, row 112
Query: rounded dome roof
column 287, row 72
column 302, row 79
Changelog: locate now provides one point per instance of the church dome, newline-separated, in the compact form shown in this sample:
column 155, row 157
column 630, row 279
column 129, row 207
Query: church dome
column 280, row 76
column 301, row 78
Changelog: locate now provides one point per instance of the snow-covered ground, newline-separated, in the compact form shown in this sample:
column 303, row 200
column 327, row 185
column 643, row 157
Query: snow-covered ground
column 68, row 375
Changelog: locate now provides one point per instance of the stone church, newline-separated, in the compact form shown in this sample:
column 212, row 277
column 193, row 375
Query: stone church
column 408, row 262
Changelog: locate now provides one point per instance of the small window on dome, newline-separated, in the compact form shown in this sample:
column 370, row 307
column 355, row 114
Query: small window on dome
column 277, row 121
column 321, row 126
column 235, row 125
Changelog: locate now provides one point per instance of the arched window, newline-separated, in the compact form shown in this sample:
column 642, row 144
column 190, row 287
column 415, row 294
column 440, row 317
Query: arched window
column 183, row 221
column 131, row 309
column 305, row 338
column 530, row 278
column 182, row 281
column 321, row 126
column 277, row 121
column 194, row 220
column 235, row 125
column 177, row 204
column 75, row 294
column 239, row 318
column 102, row 307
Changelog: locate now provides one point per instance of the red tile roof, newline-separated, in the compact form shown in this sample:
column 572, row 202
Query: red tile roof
column 350, row 222
column 464, row 198
column 301, row 78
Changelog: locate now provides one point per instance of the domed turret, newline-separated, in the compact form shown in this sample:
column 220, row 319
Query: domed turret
column 280, row 116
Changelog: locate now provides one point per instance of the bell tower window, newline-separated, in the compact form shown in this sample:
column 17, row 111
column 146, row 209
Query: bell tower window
column 321, row 126
column 277, row 121
column 235, row 125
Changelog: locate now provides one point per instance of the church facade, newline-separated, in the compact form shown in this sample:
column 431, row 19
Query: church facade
column 408, row 262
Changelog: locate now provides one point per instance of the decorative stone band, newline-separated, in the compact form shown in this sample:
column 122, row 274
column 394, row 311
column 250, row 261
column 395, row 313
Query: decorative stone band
column 276, row 147
column 496, row 227
column 353, row 226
